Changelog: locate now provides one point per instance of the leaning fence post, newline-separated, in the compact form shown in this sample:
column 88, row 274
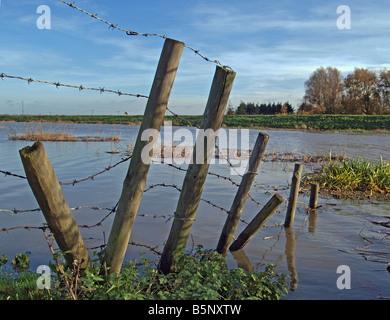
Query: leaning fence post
column 242, row 193
column 197, row 171
column 293, row 199
column 255, row 225
column 48, row 193
column 135, row 180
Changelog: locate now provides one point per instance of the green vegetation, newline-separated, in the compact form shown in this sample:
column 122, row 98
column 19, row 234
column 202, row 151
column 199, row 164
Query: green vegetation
column 316, row 122
column 109, row 119
column 201, row 275
column 21, row 262
column 300, row 122
column 354, row 178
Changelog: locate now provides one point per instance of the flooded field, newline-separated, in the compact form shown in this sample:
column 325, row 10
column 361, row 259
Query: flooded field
column 341, row 232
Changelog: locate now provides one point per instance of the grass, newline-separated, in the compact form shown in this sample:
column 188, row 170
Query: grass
column 59, row 135
column 354, row 178
column 201, row 275
column 295, row 122
column 311, row 122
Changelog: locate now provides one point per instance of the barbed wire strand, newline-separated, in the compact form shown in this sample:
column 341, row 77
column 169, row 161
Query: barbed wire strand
column 96, row 174
column 7, row 173
column 101, row 90
column 91, row 177
column 134, row 33
column 80, row 87
column 215, row 175
column 112, row 211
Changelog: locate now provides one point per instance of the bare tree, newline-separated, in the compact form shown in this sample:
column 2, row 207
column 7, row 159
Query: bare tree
column 361, row 92
column 384, row 90
column 324, row 89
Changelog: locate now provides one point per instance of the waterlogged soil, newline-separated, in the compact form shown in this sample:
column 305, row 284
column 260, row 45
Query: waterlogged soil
column 351, row 233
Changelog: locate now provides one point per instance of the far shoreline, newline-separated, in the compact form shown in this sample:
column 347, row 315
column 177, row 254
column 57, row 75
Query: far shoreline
column 301, row 123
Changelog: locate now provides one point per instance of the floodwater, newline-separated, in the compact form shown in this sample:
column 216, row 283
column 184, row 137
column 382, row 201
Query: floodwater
column 339, row 233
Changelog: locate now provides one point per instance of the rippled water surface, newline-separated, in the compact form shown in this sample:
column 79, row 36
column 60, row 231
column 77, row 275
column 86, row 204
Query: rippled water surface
column 339, row 233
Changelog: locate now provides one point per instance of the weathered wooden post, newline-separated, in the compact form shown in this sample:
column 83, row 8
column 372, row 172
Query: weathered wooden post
column 134, row 183
column 293, row 199
column 48, row 193
column 313, row 202
column 242, row 194
column 197, row 171
column 255, row 225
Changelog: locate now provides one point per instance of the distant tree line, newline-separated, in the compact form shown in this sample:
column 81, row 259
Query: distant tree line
column 327, row 91
column 360, row 92
column 251, row 108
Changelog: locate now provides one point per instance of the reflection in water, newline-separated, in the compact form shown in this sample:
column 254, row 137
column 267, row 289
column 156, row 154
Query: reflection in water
column 290, row 257
column 313, row 215
column 242, row 260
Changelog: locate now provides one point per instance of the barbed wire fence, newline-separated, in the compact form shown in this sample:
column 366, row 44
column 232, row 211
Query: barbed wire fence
column 102, row 90
column 166, row 217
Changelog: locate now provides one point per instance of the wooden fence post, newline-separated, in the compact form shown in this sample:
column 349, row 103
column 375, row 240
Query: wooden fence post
column 265, row 213
column 48, row 193
column 292, row 201
column 313, row 202
column 197, row 172
column 134, row 183
column 242, row 193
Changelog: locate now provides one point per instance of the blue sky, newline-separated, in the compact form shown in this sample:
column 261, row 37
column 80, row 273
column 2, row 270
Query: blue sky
column 273, row 46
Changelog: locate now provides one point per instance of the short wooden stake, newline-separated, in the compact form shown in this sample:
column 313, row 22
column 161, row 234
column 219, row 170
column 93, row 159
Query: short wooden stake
column 197, row 171
column 242, row 194
column 48, row 193
column 261, row 218
column 313, row 202
column 135, row 180
column 293, row 199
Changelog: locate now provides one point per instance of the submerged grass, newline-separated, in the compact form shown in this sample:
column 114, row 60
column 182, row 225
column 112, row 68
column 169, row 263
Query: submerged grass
column 36, row 134
column 354, row 178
